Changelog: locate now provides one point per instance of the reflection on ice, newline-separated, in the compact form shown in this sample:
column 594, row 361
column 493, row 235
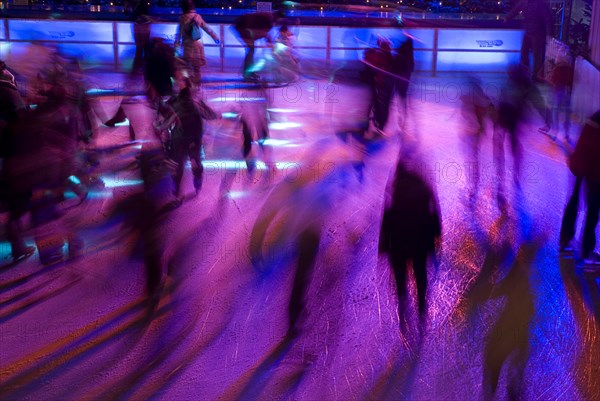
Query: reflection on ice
column 283, row 125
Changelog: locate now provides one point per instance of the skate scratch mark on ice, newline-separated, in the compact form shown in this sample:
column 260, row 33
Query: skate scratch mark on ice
column 246, row 230
column 214, row 264
column 404, row 341
column 249, row 314
column 335, row 389
column 358, row 210
column 541, row 396
column 378, row 305
column 205, row 321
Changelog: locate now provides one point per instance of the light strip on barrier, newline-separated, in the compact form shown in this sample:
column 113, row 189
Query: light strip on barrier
column 117, row 183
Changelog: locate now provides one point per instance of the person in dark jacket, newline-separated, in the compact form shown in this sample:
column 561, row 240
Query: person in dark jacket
column 538, row 26
column 186, row 115
column 11, row 102
column 410, row 230
column 12, row 145
column 585, row 165
column 379, row 61
column 142, row 23
column 159, row 70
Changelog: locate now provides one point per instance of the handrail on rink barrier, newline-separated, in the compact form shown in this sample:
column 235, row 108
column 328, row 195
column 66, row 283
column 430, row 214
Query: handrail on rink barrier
column 110, row 44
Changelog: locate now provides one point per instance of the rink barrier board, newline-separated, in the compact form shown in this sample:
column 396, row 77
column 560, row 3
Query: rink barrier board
column 585, row 98
column 109, row 44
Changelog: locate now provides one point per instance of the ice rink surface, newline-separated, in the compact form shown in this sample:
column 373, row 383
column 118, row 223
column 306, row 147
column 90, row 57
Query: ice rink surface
column 500, row 297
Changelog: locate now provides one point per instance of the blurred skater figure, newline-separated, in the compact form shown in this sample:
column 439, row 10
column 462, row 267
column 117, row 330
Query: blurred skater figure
column 567, row 228
column 64, row 73
column 254, row 120
column 57, row 123
column 561, row 80
column 288, row 228
column 42, row 161
column 404, row 65
column 6, row 77
column 142, row 24
column 352, row 121
column 287, row 66
column 159, row 71
column 251, row 28
column 286, row 37
column 585, row 165
column 537, row 21
column 379, row 61
column 477, row 110
column 507, row 344
column 185, row 117
column 14, row 144
column 11, row 102
column 410, row 231
column 142, row 216
column 189, row 37
column 517, row 96
column 153, row 203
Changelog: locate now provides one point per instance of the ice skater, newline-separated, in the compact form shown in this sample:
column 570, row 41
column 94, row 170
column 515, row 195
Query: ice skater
column 379, row 61
column 538, row 27
column 410, row 231
column 519, row 94
column 289, row 226
column 403, row 67
column 190, row 26
column 477, row 110
column 185, row 116
column 253, row 27
column 585, row 165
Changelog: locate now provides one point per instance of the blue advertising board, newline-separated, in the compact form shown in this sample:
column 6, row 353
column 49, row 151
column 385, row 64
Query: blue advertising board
column 480, row 39
column 64, row 31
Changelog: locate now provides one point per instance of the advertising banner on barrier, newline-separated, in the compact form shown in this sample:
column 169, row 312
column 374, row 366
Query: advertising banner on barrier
column 480, row 39
column 64, row 31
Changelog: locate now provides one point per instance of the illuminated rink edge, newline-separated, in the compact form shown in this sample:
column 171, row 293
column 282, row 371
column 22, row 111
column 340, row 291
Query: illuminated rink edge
column 210, row 166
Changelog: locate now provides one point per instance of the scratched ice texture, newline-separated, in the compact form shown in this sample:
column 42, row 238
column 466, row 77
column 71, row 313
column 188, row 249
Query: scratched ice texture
column 77, row 331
